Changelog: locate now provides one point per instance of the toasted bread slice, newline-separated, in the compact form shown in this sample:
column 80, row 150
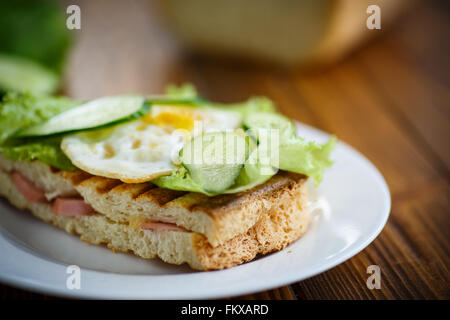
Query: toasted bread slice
column 281, row 219
column 218, row 218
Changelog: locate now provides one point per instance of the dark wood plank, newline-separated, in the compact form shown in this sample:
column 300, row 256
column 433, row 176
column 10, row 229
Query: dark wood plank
column 413, row 262
column 413, row 98
column 421, row 37
column 347, row 105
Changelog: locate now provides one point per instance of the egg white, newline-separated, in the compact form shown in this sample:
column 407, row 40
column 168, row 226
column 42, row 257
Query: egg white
column 146, row 148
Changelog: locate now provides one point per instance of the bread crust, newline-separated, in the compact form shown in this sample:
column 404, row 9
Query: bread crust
column 278, row 208
column 218, row 218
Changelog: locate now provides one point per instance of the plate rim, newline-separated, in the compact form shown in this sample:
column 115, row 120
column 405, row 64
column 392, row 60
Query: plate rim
column 251, row 287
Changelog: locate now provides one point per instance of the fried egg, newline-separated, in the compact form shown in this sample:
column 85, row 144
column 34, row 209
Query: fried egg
column 146, row 148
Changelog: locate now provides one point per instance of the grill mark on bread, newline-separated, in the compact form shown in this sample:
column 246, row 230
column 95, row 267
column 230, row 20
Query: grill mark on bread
column 147, row 187
column 230, row 216
column 107, row 185
column 187, row 201
column 76, row 177
column 54, row 170
column 102, row 185
column 218, row 205
column 161, row 196
column 208, row 205
column 217, row 208
column 274, row 230
column 134, row 190
column 192, row 202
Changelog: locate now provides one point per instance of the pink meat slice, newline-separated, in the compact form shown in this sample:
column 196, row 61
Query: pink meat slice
column 27, row 188
column 71, row 207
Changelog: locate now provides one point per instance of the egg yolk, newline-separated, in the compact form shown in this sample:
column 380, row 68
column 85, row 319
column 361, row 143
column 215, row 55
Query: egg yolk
column 175, row 117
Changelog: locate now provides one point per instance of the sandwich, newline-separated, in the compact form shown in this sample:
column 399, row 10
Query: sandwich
column 171, row 176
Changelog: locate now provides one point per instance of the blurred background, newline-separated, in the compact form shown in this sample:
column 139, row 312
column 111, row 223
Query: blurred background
column 384, row 91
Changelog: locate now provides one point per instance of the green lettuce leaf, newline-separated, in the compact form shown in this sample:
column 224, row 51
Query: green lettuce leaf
column 308, row 158
column 251, row 175
column 180, row 180
column 21, row 110
column 294, row 154
column 46, row 150
column 254, row 104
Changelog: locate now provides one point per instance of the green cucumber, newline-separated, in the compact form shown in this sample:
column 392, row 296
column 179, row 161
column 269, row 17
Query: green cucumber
column 91, row 115
column 267, row 121
column 163, row 99
column 215, row 159
column 20, row 74
column 254, row 172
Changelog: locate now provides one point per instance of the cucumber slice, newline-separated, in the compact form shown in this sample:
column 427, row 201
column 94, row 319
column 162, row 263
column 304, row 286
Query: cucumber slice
column 269, row 120
column 93, row 114
column 163, row 99
column 215, row 159
column 254, row 173
column 20, row 74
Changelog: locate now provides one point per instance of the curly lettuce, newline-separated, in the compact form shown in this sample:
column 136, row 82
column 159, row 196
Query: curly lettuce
column 308, row 158
column 47, row 150
column 19, row 111
column 22, row 110
column 294, row 154
column 179, row 180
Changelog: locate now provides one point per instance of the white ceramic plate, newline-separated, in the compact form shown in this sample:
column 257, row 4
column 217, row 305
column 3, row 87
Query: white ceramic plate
column 35, row 255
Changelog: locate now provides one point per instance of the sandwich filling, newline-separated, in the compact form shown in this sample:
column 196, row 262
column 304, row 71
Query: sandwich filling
column 72, row 204
column 173, row 176
column 177, row 141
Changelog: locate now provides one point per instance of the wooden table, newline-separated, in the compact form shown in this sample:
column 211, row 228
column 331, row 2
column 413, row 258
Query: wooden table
column 390, row 100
